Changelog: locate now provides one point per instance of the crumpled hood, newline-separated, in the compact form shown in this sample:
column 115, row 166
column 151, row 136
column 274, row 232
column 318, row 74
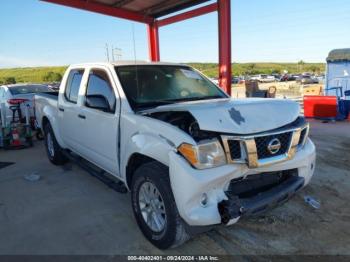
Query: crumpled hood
column 238, row 116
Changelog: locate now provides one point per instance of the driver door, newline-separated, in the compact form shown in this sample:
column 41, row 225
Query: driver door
column 100, row 129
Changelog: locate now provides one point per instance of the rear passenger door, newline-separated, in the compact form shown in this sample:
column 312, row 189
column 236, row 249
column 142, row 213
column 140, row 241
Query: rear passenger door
column 101, row 127
column 68, row 110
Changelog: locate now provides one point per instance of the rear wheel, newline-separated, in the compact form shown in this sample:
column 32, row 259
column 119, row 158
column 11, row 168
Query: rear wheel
column 155, row 208
column 39, row 135
column 53, row 149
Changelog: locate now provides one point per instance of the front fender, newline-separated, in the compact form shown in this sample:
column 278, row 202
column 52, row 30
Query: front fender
column 150, row 145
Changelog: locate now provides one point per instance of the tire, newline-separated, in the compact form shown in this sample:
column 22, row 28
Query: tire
column 53, row 149
column 173, row 232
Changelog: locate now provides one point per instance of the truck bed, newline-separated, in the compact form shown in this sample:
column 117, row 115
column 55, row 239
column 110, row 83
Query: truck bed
column 50, row 95
column 45, row 102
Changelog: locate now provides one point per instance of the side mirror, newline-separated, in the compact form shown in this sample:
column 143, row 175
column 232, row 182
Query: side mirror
column 97, row 102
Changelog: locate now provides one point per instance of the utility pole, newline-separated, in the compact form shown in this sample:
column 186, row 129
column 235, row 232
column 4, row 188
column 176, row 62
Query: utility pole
column 113, row 54
column 117, row 53
column 107, row 52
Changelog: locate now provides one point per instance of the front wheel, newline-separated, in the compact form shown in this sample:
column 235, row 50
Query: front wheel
column 155, row 208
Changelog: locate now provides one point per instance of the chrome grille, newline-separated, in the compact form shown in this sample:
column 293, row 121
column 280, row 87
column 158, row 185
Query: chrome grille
column 235, row 149
column 253, row 149
column 262, row 143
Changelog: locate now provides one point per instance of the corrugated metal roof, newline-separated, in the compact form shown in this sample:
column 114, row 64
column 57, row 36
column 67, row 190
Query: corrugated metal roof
column 339, row 55
column 153, row 8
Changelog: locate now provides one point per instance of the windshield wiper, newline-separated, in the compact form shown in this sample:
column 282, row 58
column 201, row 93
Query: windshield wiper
column 198, row 98
column 143, row 106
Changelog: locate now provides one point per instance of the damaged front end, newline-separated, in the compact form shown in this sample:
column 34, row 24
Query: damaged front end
column 206, row 152
column 258, row 193
column 186, row 122
column 229, row 175
column 255, row 150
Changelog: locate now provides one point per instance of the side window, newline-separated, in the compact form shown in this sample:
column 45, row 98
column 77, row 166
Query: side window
column 99, row 84
column 73, row 85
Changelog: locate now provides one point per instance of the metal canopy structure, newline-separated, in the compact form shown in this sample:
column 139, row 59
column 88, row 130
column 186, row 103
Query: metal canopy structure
column 150, row 12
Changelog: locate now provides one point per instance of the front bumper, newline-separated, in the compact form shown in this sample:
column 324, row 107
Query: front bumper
column 235, row 207
column 189, row 185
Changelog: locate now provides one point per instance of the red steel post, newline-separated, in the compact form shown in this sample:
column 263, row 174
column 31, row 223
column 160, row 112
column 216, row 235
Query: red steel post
column 153, row 42
column 224, row 19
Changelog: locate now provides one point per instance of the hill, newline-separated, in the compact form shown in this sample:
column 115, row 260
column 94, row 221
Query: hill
column 211, row 69
column 32, row 74
column 50, row 74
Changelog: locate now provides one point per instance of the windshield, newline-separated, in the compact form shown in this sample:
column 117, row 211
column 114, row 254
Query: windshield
column 28, row 89
column 148, row 86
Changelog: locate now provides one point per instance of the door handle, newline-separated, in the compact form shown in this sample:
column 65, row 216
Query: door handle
column 61, row 109
column 82, row 116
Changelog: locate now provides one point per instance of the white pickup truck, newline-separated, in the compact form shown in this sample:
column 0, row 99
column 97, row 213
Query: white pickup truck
column 191, row 156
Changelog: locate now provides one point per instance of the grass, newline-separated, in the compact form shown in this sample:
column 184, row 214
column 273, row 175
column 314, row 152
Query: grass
column 37, row 74
column 29, row 74
column 211, row 69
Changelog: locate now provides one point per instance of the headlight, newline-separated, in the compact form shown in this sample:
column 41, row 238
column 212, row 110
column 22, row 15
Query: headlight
column 304, row 134
column 204, row 155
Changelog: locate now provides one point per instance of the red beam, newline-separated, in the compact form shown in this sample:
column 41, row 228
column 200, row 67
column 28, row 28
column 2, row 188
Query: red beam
column 224, row 17
column 103, row 9
column 187, row 15
column 153, row 42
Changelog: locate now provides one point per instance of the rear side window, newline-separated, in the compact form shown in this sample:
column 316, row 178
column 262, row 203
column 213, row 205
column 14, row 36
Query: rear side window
column 73, row 85
column 99, row 84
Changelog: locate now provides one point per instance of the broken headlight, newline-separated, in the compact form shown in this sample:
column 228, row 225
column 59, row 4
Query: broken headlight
column 206, row 154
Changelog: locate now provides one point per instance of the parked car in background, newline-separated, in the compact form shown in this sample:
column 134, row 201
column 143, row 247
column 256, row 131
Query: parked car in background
column 307, row 79
column 276, row 76
column 54, row 86
column 22, row 94
column 288, row 77
column 321, row 78
column 284, row 78
column 263, row 78
column 236, row 80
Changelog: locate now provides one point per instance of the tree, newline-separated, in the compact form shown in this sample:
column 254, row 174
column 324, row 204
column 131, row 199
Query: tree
column 251, row 69
column 301, row 63
column 315, row 69
column 52, row 77
column 10, row 80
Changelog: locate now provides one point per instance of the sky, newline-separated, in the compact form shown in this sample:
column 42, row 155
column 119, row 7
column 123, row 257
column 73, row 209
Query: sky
column 35, row 33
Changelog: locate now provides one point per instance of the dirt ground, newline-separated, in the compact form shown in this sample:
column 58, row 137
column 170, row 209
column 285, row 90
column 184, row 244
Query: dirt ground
column 69, row 212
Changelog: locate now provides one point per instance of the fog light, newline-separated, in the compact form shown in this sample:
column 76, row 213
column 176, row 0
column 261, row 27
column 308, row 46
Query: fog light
column 204, row 199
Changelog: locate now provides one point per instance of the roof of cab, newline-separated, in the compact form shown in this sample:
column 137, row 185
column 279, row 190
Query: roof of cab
column 126, row 63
